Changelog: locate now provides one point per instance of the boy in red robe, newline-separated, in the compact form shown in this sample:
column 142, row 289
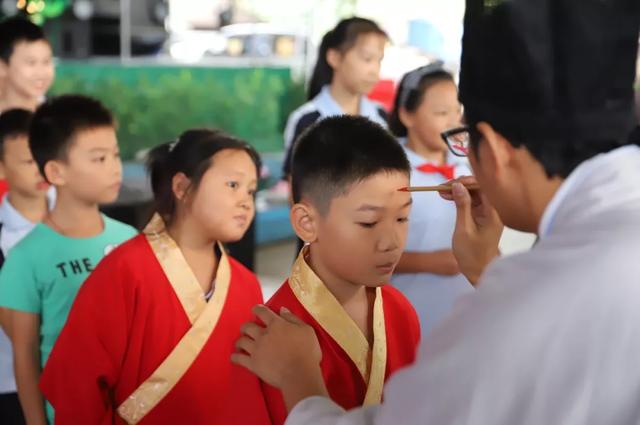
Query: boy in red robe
column 348, row 210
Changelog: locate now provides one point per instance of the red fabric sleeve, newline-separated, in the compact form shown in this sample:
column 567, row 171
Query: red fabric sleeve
column 85, row 361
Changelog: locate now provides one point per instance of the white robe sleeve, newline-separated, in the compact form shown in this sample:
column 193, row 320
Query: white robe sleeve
column 323, row 411
column 404, row 404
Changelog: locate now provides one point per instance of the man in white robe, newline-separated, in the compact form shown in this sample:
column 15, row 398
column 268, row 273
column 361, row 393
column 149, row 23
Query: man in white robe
column 551, row 336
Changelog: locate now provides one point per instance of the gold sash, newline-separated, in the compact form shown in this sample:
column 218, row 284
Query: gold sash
column 327, row 311
column 202, row 315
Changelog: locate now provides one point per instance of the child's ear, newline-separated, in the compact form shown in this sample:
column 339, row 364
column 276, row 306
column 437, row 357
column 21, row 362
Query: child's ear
column 495, row 152
column 180, row 186
column 3, row 69
column 3, row 175
column 406, row 117
column 334, row 57
column 55, row 173
column 304, row 220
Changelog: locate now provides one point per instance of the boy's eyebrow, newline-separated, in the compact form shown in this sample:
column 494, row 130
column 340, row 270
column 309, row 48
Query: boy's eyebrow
column 370, row 207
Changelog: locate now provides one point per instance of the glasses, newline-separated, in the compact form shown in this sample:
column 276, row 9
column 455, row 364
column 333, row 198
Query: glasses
column 459, row 139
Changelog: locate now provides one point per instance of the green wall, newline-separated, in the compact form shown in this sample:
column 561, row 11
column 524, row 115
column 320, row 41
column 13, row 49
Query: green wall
column 155, row 103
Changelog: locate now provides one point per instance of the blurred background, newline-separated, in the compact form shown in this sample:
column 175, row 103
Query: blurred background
column 163, row 66
column 240, row 65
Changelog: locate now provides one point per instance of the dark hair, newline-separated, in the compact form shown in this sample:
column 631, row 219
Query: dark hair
column 13, row 123
column 57, row 121
column 527, row 88
column 342, row 37
column 412, row 98
column 190, row 154
column 338, row 151
column 13, row 31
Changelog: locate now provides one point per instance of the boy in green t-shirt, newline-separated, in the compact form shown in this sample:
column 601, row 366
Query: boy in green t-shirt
column 73, row 140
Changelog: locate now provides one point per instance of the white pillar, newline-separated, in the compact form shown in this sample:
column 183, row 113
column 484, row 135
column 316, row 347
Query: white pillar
column 125, row 30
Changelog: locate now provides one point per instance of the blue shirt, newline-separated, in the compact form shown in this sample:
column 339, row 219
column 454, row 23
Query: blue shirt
column 323, row 106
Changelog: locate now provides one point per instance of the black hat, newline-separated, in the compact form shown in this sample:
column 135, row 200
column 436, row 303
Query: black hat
column 551, row 69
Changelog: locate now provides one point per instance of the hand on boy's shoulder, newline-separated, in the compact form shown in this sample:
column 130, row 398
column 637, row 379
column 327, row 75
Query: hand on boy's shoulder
column 283, row 349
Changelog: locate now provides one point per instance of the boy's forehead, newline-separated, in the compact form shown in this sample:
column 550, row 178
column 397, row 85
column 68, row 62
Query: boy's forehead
column 15, row 140
column 379, row 190
column 39, row 47
column 95, row 137
column 16, row 137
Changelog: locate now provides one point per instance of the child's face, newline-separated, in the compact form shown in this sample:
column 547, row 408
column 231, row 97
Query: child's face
column 362, row 235
column 223, row 203
column 438, row 112
column 92, row 171
column 358, row 69
column 30, row 70
column 20, row 170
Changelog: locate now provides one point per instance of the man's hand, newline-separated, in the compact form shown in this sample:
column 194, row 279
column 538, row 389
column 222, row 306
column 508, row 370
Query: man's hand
column 284, row 353
column 478, row 229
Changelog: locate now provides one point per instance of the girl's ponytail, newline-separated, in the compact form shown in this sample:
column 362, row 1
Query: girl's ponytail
column 161, row 174
column 322, row 72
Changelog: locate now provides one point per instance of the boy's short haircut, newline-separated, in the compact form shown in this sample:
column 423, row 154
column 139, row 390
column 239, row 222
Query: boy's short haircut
column 13, row 123
column 15, row 30
column 337, row 152
column 58, row 120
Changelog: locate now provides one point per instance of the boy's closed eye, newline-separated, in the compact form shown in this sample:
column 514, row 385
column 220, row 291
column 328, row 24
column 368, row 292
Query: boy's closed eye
column 368, row 225
column 376, row 210
column 372, row 224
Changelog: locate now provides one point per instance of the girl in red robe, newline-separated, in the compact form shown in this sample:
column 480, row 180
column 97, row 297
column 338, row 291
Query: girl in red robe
column 151, row 332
